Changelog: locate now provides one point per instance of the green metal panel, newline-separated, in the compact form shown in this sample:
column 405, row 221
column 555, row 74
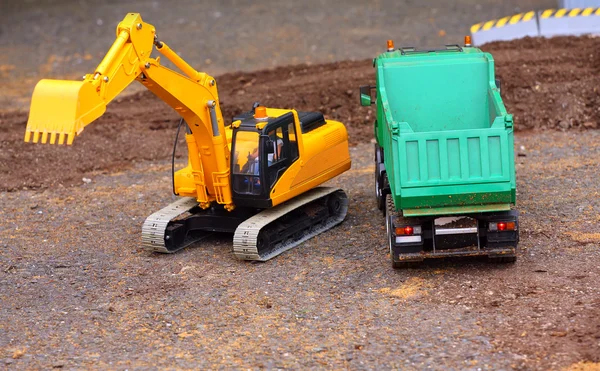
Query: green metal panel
column 447, row 138
column 457, row 210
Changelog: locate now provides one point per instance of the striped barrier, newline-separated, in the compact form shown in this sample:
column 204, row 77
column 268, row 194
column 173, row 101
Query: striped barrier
column 569, row 22
column 507, row 28
column 551, row 22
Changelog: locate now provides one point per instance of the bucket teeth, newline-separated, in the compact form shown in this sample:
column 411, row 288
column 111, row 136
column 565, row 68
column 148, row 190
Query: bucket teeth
column 36, row 136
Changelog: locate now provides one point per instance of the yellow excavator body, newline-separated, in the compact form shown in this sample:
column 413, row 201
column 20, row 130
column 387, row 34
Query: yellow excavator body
column 280, row 155
column 323, row 155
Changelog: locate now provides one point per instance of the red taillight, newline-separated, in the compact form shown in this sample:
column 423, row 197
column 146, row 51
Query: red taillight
column 404, row 231
column 502, row 226
column 408, row 230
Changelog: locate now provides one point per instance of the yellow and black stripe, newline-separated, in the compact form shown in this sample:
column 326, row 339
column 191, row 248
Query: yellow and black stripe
column 525, row 17
column 497, row 23
column 575, row 12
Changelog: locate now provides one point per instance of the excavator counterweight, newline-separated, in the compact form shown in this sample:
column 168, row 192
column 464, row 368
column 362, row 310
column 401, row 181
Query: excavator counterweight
column 257, row 177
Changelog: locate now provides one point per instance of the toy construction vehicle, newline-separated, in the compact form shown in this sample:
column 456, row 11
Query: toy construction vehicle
column 256, row 178
column 444, row 159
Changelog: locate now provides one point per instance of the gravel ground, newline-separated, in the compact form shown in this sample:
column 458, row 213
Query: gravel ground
column 77, row 292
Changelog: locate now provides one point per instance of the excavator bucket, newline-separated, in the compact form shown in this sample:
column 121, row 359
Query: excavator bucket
column 61, row 108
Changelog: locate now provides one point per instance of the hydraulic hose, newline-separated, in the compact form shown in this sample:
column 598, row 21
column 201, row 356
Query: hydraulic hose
column 173, row 156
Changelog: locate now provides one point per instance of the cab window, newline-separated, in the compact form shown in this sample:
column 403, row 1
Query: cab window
column 245, row 160
column 275, row 144
column 246, row 163
column 293, row 144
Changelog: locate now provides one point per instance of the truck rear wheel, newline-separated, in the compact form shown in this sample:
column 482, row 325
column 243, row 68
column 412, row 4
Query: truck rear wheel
column 388, row 209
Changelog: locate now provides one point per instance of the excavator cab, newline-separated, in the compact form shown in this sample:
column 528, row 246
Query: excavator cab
column 263, row 148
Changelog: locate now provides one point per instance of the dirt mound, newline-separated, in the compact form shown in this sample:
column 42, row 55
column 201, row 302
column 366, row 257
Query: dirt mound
column 547, row 84
column 550, row 83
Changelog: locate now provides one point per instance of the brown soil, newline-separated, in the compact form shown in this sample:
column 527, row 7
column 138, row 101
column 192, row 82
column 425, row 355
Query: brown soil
column 550, row 83
column 546, row 83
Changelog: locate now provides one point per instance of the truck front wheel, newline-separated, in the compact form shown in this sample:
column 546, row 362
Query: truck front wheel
column 380, row 180
column 380, row 197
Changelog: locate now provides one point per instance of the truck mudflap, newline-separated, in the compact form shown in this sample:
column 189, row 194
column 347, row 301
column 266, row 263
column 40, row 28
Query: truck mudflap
column 505, row 254
column 412, row 240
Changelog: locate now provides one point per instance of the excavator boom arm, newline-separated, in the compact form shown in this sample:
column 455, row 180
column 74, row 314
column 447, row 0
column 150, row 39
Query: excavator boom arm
column 61, row 109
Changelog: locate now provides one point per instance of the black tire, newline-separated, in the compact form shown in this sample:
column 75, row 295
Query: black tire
column 378, row 187
column 388, row 231
column 384, row 184
column 395, row 264
column 378, row 193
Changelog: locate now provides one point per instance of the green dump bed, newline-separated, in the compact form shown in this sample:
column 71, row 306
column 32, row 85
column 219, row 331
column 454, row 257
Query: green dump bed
column 446, row 135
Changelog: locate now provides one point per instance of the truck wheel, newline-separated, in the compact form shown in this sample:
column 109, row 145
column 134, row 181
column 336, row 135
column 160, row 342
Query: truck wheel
column 509, row 259
column 382, row 196
column 388, row 228
column 378, row 186
column 380, row 179
column 388, row 232
column 378, row 193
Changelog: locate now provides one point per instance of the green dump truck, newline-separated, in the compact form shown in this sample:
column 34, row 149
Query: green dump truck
column 444, row 158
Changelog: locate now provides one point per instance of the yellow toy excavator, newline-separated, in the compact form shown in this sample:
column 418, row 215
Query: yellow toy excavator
column 256, row 177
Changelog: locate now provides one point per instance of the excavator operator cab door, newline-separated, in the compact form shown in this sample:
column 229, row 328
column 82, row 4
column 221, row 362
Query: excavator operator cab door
column 281, row 146
column 246, row 165
column 260, row 158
